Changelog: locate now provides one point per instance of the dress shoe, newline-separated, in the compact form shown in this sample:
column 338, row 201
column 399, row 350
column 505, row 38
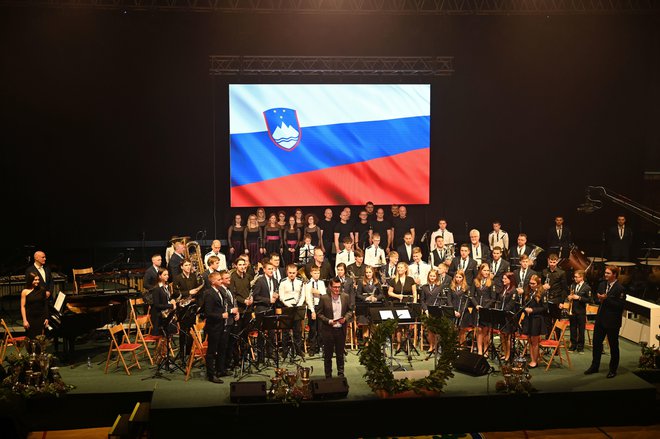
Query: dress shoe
column 611, row 374
column 222, row 373
column 590, row 371
column 215, row 380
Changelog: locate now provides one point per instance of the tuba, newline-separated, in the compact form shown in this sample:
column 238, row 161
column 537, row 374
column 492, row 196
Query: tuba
column 536, row 251
column 194, row 253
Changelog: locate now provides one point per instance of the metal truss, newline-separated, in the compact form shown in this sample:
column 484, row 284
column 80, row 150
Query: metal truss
column 401, row 7
column 332, row 65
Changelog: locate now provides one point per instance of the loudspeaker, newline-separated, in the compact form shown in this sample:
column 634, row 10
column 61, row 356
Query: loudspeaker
column 247, row 391
column 329, row 388
column 472, row 364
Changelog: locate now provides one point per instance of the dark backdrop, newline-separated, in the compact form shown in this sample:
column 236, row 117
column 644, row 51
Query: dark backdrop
column 110, row 119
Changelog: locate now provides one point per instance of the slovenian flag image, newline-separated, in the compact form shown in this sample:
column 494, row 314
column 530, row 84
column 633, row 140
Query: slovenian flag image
column 329, row 144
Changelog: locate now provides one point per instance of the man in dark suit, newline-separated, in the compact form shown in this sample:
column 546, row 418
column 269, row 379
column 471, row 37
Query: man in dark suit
column 216, row 310
column 405, row 249
column 498, row 266
column 520, row 249
column 264, row 291
column 579, row 296
column 174, row 266
column 478, row 250
column 347, row 284
column 150, row 279
column 43, row 271
column 619, row 240
column 335, row 313
column 559, row 238
column 523, row 274
column 612, row 297
column 465, row 263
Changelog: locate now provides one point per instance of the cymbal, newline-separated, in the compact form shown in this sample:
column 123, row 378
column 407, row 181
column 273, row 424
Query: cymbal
column 651, row 263
column 622, row 263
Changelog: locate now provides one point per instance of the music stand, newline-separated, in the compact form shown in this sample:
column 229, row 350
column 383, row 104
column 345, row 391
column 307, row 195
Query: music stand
column 408, row 314
column 277, row 322
column 378, row 315
column 255, row 323
column 166, row 362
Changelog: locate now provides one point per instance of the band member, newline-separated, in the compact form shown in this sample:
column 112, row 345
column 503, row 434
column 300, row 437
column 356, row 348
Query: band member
column 554, row 285
column 347, row 283
column 579, row 296
column 402, row 224
column 368, row 287
column 250, row 271
column 327, row 226
column 214, row 265
column 215, row 251
column 316, row 288
column 334, row 315
column 216, row 311
column 383, row 227
column 174, row 266
column 482, row 296
column 235, row 235
column 315, row 232
column 406, row 248
column 229, row 334
column 498, row 266
column 356, row 269
column 559, row 238
column 611, row 296
column 239, row 286
column 42, row 270
column 306, row 250
column 619, row 240
column 432, row 294
column 443, row 278
column 478, row 251
column 162, row 300
column 292, row 294
column 374, row 255
column 186, row 288
column 402, row 287
column 273, row 235
column 321, row 263
column 150, row 279
column 390, row 268
column 447, row 236
column 343, row 230
column 363, row 230
column 535, row 311
column 441, row 254
column 523, row 275
column 260, row 217
column 498, row 238
column 418, row 269
column 509, row 301
column 265, row 290
column 459, row 296
column 292, row 239
column 346, row 255
column 464, row 263
column 34, row 306
column 278, row 272
column 252, row 239
column 521, row 249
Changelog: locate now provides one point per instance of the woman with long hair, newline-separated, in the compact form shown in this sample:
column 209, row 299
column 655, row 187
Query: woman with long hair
column 235, row 236
column 403, row 289
column 273, row 235
column 291, row 241
column 314, row 231
column 281, row 219
column 510, row 301
column 459, row 295
column 431, row 295
column 482, row 297
column 536, row 307
column 34, row 306
column 252, row 240
column 300, row 221
column 261, row 217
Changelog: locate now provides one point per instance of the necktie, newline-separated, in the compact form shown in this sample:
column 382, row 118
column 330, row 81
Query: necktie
column 522, row 276
column 167, row 291
column 315, row 286
column 270, row 285
column 520, row 251
column 443, row 234
column 497, row 237
column 620, row 232
column 495, row 267
column 607, row 291
column 375, row 251
column 577, row 288
column 463, row 263
column 559, row 233
column 417, row 268
column 293, row 286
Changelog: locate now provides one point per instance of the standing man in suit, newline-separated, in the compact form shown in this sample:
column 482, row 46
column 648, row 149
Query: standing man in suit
column 265, row 297
column 231, row 317
column 447, row 236
column 579, row 296
column 498, row 266
column 619, row 240
column 523, row 274
column 465, row 263
column 405, row 249
column 520, row 249
column 174, row 266
column 559, row 238
column 612, row 298
column 478, row 250
column 335, row 313
column 216, row 311
column 42, row 270
column 150, row 279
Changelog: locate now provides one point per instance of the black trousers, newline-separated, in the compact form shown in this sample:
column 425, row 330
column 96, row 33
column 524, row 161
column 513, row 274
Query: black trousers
column 314, row 338
column 213, row 353
column 578, row 322
column 334, row 341
column 296, row 347
column 612, row 334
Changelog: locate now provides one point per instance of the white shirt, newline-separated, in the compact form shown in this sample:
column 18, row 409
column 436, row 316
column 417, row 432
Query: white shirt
column 336, row 311
column 477, row 254
column 498, row 239
column 42, row 272
column 448, row 237
column 320, row 286
column 223, row 260
column 347, row 257
column 292, row 294
column 419, row 271
column 306, row 253
column 374, row 256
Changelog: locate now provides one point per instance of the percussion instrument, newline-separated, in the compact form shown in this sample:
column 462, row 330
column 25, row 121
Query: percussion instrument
column 653, row 269
column 625, row 273
column 576, row 260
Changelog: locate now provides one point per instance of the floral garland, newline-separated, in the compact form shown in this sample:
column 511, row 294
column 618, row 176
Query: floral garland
column 378, row 375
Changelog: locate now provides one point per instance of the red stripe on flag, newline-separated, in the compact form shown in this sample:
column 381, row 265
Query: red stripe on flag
column 398, row 179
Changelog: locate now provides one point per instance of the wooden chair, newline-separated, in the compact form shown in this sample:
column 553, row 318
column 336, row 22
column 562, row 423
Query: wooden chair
column 9, row 340
column 140, row 321
column 199, row 347
column 592, row 310
column 91, row 285
column 555, row 343
column 124, row 346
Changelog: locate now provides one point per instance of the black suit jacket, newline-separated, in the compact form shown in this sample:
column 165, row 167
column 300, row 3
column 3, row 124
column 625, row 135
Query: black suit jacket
column 326, row 314
column 580, row 305
column 619, row 248
column 611, row 308
column 214, row 306
column 48, row 282
column 502, row 268
column 403, row 253
column 174, row 267
column 528, row 275
column 484, row 250
column 150, row 279
column 261, row 294
column 470, row 272
column 555, row 243
column 160, row 303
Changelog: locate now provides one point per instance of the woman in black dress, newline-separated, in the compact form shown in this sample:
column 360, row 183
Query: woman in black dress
column 536, row 308
column 482, row 297
column 509, row 301
column 235, row 235
column 313, row 230
column 291, row 241
column 34, row 306
column 281, row 219
column 273, row 235
column 261, row 217
column 252, row 240
column 431, row 295
column 162, row 300
column 403, row 289
column 368, row 291
column 459, row 295
column 300, row 220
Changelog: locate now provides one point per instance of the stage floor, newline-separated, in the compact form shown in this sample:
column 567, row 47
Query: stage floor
column 573, row 399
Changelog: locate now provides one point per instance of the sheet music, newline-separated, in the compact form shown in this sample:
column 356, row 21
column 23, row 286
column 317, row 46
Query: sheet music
column 386, row 314
column 403, row 314
column 59, row 302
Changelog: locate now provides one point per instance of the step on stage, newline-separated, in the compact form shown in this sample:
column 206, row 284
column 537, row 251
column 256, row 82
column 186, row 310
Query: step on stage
column 565, row 398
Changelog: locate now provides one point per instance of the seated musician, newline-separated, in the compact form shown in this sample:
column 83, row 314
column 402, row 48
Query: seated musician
column 356, row 269
column 347, row 283
column 418, row 269
column 316, row 288
column 187, row 286
column 374, row 256
column 292, row 294
column 214, row 265
column 521, row 249
column 432, row 294
column 440, row 255
column 402, row 289
column 523, row 275
column 346, row 255
column 306, row 250
column 162, row 301
column 459, row 298
column 509, row 301
column 390, row 268
column 443, row 278
column 482, row 296
column 498, row 266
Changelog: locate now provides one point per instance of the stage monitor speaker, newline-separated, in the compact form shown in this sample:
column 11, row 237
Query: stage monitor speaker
column 329, row 388
column 247, row 391
column 472, row 364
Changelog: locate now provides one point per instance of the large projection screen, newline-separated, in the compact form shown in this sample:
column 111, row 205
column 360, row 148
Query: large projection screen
column 329, row 144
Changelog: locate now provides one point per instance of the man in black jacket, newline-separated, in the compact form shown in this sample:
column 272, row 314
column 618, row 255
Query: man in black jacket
column 43, row 271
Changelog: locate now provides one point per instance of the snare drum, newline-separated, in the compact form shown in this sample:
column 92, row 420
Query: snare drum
column 626, row 270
